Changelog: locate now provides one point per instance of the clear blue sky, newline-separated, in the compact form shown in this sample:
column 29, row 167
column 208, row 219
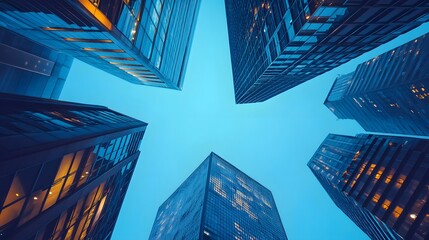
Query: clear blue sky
column 270, row 141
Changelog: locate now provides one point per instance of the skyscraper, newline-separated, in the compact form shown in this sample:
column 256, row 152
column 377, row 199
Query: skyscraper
column 380, row 182
column 279, row 44
column 28, row 68
column 143, row 42
column 388, row 93
column 218, row 201
column 64, row 168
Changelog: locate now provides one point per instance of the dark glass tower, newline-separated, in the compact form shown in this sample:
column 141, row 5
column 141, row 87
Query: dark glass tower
column 65, row 168
column 143, row 42
column 379, row 182
column 389, row 93
column 278, row 44
column 30, row 69
column 218, row 201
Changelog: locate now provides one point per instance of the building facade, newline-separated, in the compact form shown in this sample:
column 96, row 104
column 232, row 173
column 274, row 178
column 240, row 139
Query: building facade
column 380, row 182
column 30, row 69
column 218, row 201
column 143, row 42
column 388, row 93
column 276, row 45
column 65, row 168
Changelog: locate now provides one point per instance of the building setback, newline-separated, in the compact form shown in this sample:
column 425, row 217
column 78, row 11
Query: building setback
column 143, row 42
column 279, row 44
column 65, row 168
column 30, row 69
column 218, row 201
column 388, row 93
column 380, row 182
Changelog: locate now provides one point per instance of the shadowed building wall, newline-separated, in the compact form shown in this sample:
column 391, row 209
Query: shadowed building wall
column 218, row 201
column 388, row 93
column 380, row 182
column 276, row 45
column 142, row 41
column 30, row 69
column 65, row 168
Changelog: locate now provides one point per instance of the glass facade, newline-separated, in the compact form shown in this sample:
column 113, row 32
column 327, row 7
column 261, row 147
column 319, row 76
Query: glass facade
column 387, row 93
column 380, row 182
column 30, row 69
column 218, row 201
column 142, row 41
column 276, row 45
column 65, row 168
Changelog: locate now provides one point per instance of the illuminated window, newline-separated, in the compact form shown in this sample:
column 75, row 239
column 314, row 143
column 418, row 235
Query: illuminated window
column 217, row 186
column 34, row 205
column 119, row 58
column 67, row 29
column 376, row 197
column 356, row 156
column 11, row 212
column 386, row 204
column 400, row 181
column 133, row 69
column 87, row 40
column 371, row 168
column 379, row 173
column 353, row 183
column 102, row 50
column 125, row 64
column 397, row 211
column 388, row 178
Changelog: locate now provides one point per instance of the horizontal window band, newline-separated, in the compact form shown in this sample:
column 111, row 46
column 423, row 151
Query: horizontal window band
column 88, row 40
column 102, row 50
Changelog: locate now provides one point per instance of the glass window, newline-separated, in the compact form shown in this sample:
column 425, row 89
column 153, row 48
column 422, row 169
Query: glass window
column 34, row 205
column 48, row 173
column 22, row 184
column 65, row 166
column 10, row 213
column 53, row 193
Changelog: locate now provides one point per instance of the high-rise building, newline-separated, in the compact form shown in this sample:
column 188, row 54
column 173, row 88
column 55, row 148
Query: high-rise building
column 30, row 69
column 380, row 182
column 64, row 168
column 389, row 93
column 218, row 201
column 143, row 42
column 276, row 45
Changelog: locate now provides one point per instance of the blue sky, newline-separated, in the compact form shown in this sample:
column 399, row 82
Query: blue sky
column 270, row 141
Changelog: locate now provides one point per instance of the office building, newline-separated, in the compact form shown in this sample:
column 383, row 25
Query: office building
column 218, row 201
column 279, row 44
column 65, row 168
column 388, row 93
column 380, row 182
column 143, row 42
column 30, row 69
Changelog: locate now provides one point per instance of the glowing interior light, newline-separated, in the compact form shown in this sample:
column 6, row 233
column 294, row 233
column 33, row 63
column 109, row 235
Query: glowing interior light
column 50, row 193
column 413, row 216
column 16, row 194
column 35, row 198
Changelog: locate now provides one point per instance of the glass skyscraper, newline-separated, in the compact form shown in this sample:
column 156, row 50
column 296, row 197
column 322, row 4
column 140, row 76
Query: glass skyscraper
column 389, row 93
column 64, row 168
column 30, row 69
column 380, row 182
column 143, row 42
column 218, row 201
column 278, row 44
